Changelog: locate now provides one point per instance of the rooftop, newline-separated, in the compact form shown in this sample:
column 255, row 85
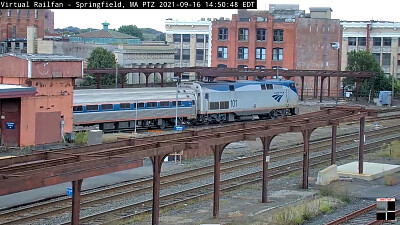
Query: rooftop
column 105, row 33
column 44, row 57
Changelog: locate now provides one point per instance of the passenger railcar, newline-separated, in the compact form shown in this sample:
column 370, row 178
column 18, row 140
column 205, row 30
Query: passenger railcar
column 199, row 103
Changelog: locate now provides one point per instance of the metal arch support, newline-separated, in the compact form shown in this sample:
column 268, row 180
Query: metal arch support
column 266, row 142
column 76, row 201
column 157, row 162
column 306, row 139
column 217, row 149
column 302, row 88
column 322, row 88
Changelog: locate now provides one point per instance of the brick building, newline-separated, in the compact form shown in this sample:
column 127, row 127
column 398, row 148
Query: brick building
column 14, row 23
column 284, row 36
column 42, row 115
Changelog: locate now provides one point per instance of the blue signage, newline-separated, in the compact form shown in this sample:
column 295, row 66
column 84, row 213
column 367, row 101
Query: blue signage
column 69, row 191
column 10, row 125
column 179, row 128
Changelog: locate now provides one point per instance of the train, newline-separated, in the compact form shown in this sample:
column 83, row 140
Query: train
column 199, row 102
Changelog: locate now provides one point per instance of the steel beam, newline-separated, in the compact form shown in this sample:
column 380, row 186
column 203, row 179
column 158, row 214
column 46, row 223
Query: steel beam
column 306, row 139
column 361, row 146
column 333, row 149
column 157, row 162
column 218, row 149
column 266, row 142
column 76, row 201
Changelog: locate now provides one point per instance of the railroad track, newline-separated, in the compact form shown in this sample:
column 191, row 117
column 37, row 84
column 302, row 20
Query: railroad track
column 93, row 199
column 366, row 215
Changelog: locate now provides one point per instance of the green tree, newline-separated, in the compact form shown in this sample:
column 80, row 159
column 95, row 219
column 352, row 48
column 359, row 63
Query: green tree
column 365, row 61
column 101, row 58
column 132, row 30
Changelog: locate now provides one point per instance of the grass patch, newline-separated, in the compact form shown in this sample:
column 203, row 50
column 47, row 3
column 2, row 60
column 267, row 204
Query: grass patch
column 304, row 211
column 109, row 138
column 81, row 138
column 391, row 150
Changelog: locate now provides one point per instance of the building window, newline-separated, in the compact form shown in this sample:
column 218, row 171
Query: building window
column 14, row 32
column 18, row 14
column 277, row 54
column 261, row 34
column 177, row 37
column 206, row 38
column 186, row 54
column 27, row 13
column 25, row 45
column 385, row 59
column 387, row 41
column 243, row 53
column 243, row 34
column 221, row 66
column 9, row 13
column 242, row 67
column 278, row 35
column 362, row 41
column 260, row 67
column 199, row 54
column 222, row 52
column 223, row 34
column 260, row 53
column 178, row 55
column 16, row 45
column 200, row 38
column 36, row 14
column 377, row 41
column 185, row 37
column 352, row 41
column 377, row 57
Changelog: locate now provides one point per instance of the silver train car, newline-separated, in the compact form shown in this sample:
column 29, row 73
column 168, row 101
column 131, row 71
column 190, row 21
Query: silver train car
column 198, row 103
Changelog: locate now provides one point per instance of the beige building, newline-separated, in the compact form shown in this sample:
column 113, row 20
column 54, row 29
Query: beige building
column 381, row 38
column 192, row 41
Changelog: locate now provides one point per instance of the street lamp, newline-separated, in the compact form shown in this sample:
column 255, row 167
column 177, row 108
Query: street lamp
column 277, row 68
column 336, row 46
column 177, row 80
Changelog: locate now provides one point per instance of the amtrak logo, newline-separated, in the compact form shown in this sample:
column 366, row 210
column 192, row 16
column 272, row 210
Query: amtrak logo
column 277, row 97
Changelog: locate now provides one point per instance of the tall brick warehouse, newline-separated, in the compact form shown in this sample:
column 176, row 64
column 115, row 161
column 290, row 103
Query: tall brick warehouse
column 284, row 36
column 14, row 23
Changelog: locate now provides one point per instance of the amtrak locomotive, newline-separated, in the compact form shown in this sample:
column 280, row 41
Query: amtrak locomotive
column 198, row 103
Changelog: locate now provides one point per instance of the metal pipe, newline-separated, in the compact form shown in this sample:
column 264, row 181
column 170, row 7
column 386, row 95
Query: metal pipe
column 306, row 140
column 337, row 77
column 361, row 146
column 266, row 141
column 176, row 104
column 217, row 180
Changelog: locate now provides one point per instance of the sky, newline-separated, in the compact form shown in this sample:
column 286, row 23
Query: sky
column 386, row 10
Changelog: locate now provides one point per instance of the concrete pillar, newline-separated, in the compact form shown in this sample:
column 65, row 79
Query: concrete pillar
column 76, row 201
column 361, row 146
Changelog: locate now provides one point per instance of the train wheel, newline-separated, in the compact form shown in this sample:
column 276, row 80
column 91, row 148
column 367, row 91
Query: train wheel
column 294, row 111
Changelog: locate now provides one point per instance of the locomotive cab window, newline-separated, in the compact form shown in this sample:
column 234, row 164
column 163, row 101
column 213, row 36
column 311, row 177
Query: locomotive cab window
column 269, row 86
column 107, row 107
column 78, row 108
column 151, row 104
column 124, row 106
column 92, row 108
column 141, row 105
column 164, row 104
column 292, row 85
